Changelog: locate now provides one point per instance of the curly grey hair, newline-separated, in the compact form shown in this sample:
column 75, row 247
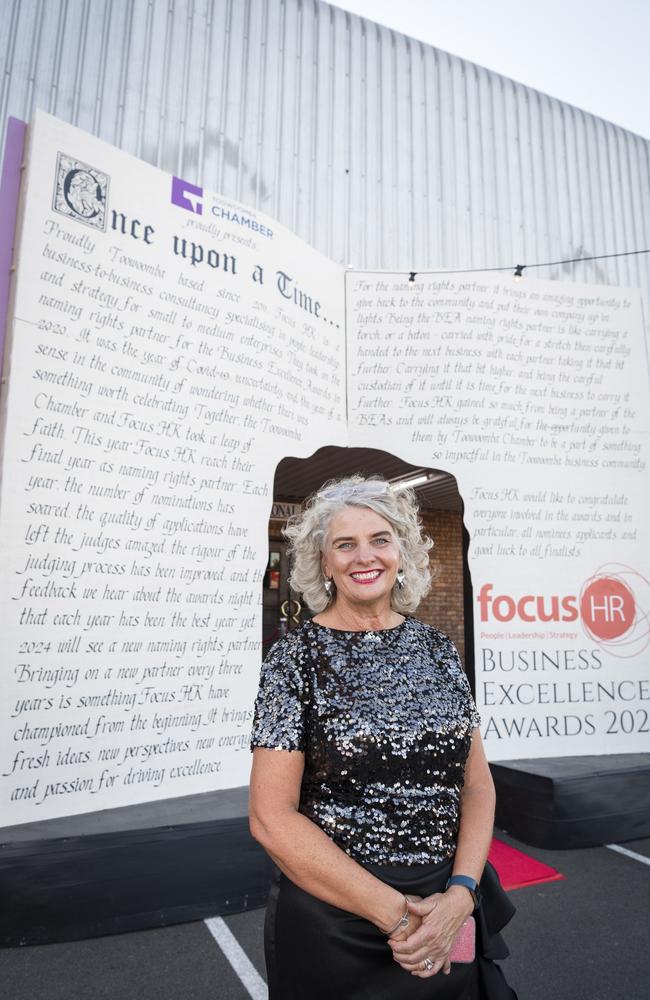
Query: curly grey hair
column 307, row 532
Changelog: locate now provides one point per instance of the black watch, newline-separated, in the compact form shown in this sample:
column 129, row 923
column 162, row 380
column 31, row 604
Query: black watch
column 470, row 884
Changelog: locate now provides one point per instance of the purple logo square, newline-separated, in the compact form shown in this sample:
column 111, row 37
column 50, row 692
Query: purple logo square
column 187, row 195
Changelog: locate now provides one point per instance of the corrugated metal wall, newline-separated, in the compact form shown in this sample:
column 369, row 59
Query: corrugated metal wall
column 380, row 151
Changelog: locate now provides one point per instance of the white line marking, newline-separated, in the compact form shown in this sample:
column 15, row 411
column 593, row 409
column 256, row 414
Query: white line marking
column 241, row 963
column 629, row 854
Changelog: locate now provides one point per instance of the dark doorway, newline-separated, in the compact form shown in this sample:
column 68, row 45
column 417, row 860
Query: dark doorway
column 449, row 605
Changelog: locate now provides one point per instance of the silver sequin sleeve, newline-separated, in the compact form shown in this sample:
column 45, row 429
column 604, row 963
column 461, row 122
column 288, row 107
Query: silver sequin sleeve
column 460, row 677
column 282, row 697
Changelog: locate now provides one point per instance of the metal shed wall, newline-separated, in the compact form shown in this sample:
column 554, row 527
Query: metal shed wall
column 377, row 149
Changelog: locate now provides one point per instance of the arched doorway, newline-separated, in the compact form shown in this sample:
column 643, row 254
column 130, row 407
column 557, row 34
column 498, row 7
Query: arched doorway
column 449, row 602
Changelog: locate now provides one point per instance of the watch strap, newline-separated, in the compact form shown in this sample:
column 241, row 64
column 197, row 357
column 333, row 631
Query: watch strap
column 468, row 883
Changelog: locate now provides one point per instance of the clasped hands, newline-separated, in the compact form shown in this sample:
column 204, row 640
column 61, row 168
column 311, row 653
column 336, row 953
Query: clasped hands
column 434, row 922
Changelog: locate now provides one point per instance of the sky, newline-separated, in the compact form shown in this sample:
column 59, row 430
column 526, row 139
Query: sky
column 591, row 53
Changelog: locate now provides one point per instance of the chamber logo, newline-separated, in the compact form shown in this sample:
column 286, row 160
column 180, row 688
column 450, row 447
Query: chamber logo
column 187, row 196
column 80, row 192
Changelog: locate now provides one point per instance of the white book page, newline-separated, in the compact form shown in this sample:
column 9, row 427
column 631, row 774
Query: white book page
column 162, row 360
column 534, row 395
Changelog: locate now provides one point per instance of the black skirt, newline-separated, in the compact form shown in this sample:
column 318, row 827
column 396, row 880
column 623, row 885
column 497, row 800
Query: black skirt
column 315, row 950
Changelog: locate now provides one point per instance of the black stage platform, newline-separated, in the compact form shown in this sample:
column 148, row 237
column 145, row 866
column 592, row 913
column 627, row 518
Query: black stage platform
column 131, row 868
column 562, row 802
column 192, row 857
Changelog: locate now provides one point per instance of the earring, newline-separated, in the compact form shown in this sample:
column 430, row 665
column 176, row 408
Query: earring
column 400, row 578
column 327, row 583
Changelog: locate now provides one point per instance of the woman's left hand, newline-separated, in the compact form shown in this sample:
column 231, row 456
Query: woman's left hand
column 442, row 915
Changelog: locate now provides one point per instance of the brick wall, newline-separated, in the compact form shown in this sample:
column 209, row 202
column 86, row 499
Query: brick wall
column 443, row 606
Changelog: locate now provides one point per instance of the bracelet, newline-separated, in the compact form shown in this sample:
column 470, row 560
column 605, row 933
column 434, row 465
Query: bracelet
column 402, row 922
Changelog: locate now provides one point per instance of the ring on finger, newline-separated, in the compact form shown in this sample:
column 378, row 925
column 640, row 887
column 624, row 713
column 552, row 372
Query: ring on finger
column 428, row 964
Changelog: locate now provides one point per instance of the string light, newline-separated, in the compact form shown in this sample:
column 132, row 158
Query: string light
column 519, row 272
column 547, row 263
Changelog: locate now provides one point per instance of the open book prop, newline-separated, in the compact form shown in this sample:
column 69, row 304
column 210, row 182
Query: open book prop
column 165, row 349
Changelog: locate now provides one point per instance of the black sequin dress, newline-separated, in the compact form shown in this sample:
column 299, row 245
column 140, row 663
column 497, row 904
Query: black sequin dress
column 385, row 721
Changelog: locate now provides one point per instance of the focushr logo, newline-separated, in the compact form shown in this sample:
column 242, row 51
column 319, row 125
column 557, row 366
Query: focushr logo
column 607, row 607
column 187, row 196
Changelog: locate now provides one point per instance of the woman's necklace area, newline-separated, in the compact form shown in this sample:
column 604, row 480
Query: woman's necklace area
column 338, row 624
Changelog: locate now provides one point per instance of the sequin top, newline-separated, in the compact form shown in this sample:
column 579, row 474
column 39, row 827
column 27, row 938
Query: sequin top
column 385, row 722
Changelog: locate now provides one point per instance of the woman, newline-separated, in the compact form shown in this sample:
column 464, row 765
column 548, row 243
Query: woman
column 370, row 787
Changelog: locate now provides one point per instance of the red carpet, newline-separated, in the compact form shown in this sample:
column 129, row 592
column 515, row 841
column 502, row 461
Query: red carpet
column 517, row 869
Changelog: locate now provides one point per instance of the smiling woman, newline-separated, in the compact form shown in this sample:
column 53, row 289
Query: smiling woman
column 370, row 789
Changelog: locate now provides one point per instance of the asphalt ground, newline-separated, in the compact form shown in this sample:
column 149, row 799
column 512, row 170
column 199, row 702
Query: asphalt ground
column 583, row 938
